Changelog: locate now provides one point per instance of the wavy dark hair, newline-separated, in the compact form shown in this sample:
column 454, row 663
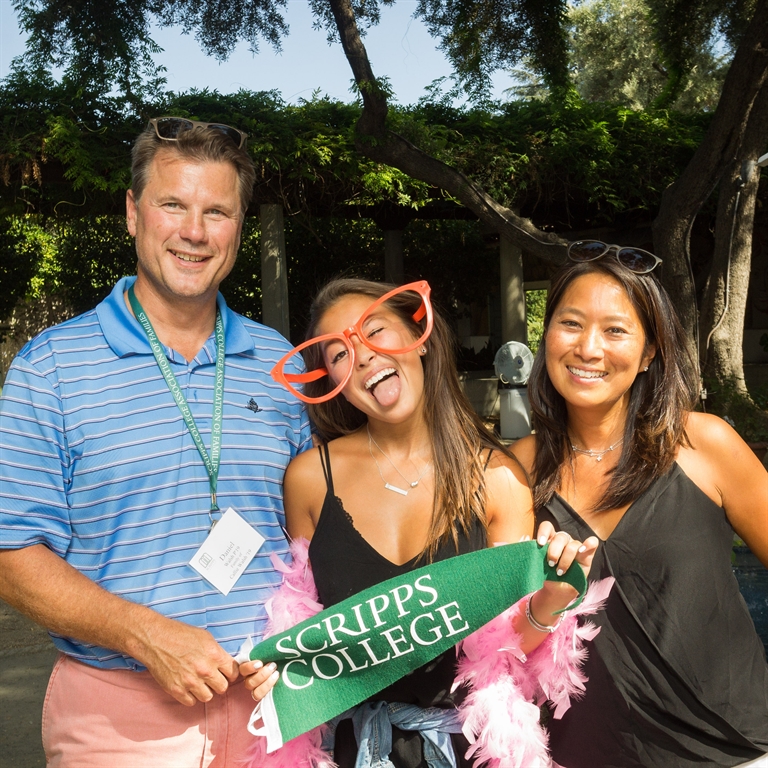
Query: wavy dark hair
column 458, row 435
column 659, row 398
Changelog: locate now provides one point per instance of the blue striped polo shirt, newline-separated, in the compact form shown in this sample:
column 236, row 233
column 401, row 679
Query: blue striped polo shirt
column 97, row 463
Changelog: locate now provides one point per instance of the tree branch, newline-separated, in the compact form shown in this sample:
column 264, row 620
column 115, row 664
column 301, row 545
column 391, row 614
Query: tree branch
column 376, row 141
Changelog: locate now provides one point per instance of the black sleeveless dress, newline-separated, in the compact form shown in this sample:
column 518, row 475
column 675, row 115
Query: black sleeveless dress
column 344, row 563
column 677, row 675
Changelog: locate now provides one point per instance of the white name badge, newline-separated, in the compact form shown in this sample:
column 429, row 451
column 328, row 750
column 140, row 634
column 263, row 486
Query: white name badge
column 226, row 552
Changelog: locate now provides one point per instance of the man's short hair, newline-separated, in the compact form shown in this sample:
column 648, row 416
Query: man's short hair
column 199, row 145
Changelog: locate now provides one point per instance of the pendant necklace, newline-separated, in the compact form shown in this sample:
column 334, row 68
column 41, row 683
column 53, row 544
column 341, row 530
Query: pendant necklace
column 389, row 486
column 597, row 455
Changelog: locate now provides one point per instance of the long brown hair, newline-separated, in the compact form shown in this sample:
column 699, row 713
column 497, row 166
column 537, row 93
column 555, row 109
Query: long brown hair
column 659, row 398
column 457, row 434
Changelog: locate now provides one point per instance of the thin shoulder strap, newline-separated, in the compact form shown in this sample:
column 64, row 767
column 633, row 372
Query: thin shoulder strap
column 325, row 461
column 488, row 459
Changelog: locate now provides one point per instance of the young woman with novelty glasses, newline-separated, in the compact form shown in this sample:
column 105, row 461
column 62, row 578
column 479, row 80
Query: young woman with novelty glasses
column 677, row 674
column 408, row 474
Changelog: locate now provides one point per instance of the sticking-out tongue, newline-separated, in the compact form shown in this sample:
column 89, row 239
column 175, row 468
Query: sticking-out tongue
column 387, row 390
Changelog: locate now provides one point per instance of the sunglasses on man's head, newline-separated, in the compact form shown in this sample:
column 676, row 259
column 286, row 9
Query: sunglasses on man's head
column 376, row 329
column 634, row 259
column 170, row 128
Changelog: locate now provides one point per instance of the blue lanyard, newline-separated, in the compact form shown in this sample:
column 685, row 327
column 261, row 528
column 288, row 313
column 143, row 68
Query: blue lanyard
column 211, row 462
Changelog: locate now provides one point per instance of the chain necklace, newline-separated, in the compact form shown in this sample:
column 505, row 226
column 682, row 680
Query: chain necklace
column 389, row 486
column 597, row 455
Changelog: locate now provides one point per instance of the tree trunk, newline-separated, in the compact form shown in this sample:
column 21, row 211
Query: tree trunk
column 725, row 297
column 384, row 146
column 682, row 200
column 274, row 270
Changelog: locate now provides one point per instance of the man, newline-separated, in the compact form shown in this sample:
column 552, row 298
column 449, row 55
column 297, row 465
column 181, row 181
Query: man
column 121, row 446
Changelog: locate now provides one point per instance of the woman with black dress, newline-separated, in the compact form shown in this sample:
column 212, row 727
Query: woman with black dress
column 407, row 474
column 677, row 675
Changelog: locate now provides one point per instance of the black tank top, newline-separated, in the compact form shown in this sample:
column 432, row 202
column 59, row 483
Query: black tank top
column 677, row 675
column 344, row 563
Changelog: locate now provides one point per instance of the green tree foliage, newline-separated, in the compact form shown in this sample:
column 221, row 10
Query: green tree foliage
column 569, row 167
column 582, row 165
column 75, row 138
column 614, row 58
column 481, row 37
column 108, row 46
column 21, row 256
column 102, row 46
column 60, row 153
column 218, row 27
column 579, row 164
column 535, row 306
column 566, row 163
column 684, row 28
column 93, row 253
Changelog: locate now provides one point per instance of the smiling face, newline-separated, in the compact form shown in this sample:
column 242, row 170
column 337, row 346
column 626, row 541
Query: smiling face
column 385, row 385
column 596, row 344
column 187, row 226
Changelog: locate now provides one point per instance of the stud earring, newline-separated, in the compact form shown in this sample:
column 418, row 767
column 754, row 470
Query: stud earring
column 423, row 351
column 646, row 368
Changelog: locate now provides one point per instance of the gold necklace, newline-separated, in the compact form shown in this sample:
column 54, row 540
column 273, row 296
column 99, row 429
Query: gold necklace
column 387, row 485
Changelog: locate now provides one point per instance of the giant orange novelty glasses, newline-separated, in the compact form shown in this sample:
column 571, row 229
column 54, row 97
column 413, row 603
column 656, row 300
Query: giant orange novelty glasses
column 378, row 330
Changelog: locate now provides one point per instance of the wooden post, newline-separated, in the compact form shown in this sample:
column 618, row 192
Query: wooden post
column 393, row 256
column 513, row 321
column 274, row 270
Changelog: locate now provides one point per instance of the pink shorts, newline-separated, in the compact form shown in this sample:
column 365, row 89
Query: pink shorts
column 94, row 718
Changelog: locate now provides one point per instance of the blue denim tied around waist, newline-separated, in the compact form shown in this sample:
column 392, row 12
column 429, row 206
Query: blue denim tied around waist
column 373, row 721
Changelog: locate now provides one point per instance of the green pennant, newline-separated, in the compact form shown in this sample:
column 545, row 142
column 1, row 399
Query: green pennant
column 346, row 653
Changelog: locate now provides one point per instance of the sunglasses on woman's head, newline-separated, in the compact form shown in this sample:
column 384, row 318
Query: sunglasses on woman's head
column 169, row 129
column 634, row 259
column 377, row 330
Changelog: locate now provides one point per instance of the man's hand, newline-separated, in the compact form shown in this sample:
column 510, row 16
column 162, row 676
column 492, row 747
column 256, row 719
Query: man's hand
column 185, row 661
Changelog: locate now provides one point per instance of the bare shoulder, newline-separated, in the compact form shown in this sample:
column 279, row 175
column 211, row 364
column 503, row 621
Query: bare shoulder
column 306, row 470
column 715, row 439
column 509, row 504
column 510, row 468
column 348, row 447
column 305, row 467
column 525, row 451
column 506, row 483
column 303, row 494
column 722, row 465
column 720, row 462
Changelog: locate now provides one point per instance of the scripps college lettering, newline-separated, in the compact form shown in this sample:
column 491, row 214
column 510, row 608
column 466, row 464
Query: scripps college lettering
column 384, row 627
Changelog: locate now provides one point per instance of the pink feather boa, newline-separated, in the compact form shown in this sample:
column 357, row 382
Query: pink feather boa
column 501, row 711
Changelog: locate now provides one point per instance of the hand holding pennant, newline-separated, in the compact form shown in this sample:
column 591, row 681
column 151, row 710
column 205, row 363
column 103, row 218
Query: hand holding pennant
column 346, row 653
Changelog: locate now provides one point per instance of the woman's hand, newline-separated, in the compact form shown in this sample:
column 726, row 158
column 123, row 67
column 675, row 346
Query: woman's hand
column 259, row 679
column 563, row 551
